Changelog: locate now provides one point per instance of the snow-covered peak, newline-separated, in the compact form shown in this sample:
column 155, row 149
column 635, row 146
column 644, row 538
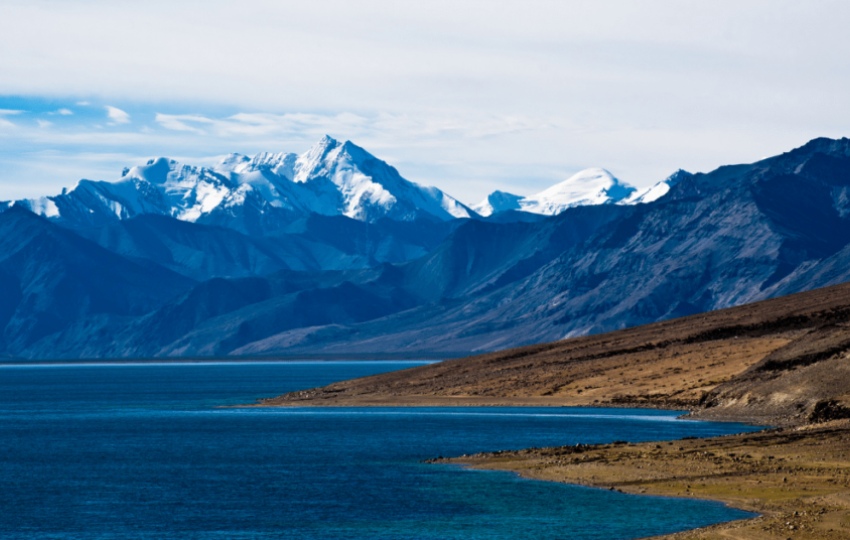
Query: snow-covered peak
column 276, row 163
column 498, row 201
column 313, row 163
column 331, row 178
column 657, row 191
column 182, row 191
column 588, row 187
column 155, row 171
column 350, row 181
column 233, row 162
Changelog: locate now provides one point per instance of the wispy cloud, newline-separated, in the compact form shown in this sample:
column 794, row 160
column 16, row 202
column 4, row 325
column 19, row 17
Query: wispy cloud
column 182, row 122
column 64, row 112
column 7, row 124
column 117, row 115
column 261, row 124
column 456, row 124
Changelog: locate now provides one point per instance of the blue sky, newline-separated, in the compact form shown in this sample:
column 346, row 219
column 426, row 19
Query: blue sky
column 469, row 96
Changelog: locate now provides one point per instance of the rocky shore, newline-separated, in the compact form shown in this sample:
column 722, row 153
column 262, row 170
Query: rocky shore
column 796, row 479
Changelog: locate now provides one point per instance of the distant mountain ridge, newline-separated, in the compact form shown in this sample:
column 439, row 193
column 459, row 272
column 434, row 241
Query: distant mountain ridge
column 254, row 194
column 268, row 280
column 587, row 187
column 260, row 194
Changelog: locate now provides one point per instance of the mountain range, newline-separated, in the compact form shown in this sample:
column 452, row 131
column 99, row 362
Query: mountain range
column 255, row 195
column 334, row 252
column 588, row 187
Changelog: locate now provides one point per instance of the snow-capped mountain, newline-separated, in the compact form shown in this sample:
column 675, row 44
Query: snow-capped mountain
column 653, row 193
column 263, row 193
column 332, row 178
column 498, row 201
column 588, row 187
column 153, row 285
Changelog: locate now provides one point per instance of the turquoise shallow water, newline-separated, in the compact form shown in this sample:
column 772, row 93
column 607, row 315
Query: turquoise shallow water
column 146, row 451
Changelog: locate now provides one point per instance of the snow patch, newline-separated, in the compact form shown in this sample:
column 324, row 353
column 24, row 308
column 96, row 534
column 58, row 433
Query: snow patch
column 44, row 206
column 657, row 191
column 498, row 201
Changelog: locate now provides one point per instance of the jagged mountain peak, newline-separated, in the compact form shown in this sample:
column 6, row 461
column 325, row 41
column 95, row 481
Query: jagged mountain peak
column 326, row 155
column 338, row 177
column 331, row 178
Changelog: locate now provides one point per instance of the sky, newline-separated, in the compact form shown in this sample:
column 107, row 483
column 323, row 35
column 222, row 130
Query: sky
column 469, row 96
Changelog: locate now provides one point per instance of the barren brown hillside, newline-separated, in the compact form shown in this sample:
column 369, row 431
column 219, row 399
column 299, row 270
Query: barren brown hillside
column 776, row 361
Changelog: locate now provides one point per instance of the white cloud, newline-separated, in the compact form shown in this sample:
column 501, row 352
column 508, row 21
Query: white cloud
column 117, row 115
column 43, row 123
column 64, row 112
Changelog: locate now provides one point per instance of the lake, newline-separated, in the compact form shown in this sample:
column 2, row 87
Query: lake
column 148, row 451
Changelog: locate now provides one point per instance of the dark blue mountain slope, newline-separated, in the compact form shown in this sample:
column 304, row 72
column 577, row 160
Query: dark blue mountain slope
column 52, row 278
column 735, row 235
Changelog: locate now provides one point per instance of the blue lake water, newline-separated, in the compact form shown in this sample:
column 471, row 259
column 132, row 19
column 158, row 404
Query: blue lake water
column 146, row 451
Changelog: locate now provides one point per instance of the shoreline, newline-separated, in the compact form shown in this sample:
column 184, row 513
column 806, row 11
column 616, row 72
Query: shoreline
column 311, row 398
column 795, row 477
column 789, row 477
column 536, row 463
column 154, row 361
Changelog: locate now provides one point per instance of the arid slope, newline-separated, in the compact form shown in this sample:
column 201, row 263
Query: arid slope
column 780, row 361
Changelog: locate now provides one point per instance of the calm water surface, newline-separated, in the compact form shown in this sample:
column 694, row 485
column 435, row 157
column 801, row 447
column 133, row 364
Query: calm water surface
column 146, row 451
